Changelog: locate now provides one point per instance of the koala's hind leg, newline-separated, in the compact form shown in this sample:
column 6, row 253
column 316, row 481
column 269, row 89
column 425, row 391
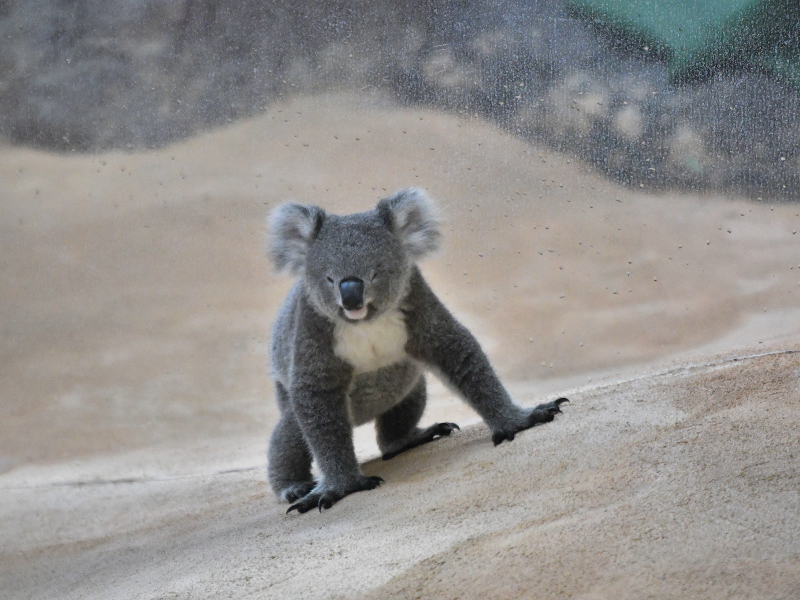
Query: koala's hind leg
column 289, row 457
column 397, row 427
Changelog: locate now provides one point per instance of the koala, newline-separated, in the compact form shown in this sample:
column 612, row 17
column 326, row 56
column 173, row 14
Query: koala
column 353, row 340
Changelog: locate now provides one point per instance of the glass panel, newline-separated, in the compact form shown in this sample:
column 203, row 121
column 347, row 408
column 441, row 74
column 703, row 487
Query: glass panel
column 613, row 203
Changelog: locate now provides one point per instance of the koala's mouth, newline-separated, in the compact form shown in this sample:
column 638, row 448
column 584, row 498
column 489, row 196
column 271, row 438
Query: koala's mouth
column 361, row 314
column 356, row 315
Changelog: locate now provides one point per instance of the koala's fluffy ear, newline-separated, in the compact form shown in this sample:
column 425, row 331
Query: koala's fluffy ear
column 413, row 217
column 293, row 228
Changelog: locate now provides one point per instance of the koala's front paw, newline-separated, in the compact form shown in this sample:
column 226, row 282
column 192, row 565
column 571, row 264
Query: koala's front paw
column 544, row 413
column 325, row 498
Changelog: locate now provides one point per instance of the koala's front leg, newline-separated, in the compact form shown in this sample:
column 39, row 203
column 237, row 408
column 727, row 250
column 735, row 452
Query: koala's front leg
column 323, row 419
column 438, row 339
column 466, row 367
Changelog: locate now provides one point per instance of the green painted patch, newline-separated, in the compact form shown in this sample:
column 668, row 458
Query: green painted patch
column 701, row 36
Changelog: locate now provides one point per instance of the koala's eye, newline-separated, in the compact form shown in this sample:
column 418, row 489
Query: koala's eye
column 330, row 279
column 374, row 276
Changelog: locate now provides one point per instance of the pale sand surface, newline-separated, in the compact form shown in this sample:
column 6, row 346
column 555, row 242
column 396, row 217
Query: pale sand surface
column 134, row 320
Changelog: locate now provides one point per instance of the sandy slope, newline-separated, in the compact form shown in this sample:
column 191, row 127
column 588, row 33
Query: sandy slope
column 136, row 306
column 674, row 484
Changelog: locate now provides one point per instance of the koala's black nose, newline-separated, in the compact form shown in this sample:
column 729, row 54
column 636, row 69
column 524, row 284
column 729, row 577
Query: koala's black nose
column 352, row 290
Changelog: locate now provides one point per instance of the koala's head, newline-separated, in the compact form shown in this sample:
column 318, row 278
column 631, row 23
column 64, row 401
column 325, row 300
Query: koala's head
column 358, row 266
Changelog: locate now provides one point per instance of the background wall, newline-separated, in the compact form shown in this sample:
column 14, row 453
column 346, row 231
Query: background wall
column 91, row 74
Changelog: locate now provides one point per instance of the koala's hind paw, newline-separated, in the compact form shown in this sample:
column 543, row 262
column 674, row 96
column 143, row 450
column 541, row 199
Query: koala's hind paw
column 544, row 413
column 327, row 498
column 296, row 491
column 423, row 437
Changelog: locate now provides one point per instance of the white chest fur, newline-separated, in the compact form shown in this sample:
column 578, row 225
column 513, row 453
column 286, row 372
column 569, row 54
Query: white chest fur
column 368, row 346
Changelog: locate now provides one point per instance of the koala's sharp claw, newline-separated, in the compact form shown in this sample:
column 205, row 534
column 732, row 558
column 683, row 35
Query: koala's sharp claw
column 375, row 481
column 545, row 413
column 445, row 429
column 300, row 507
column 434, row 432
column 501, row 436
column 554, row 407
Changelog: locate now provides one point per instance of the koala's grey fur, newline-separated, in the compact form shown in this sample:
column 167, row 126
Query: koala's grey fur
column 336, row 368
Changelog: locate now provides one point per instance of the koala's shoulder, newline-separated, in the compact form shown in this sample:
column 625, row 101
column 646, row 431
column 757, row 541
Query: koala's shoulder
column 420, row 296
column 297, row 317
